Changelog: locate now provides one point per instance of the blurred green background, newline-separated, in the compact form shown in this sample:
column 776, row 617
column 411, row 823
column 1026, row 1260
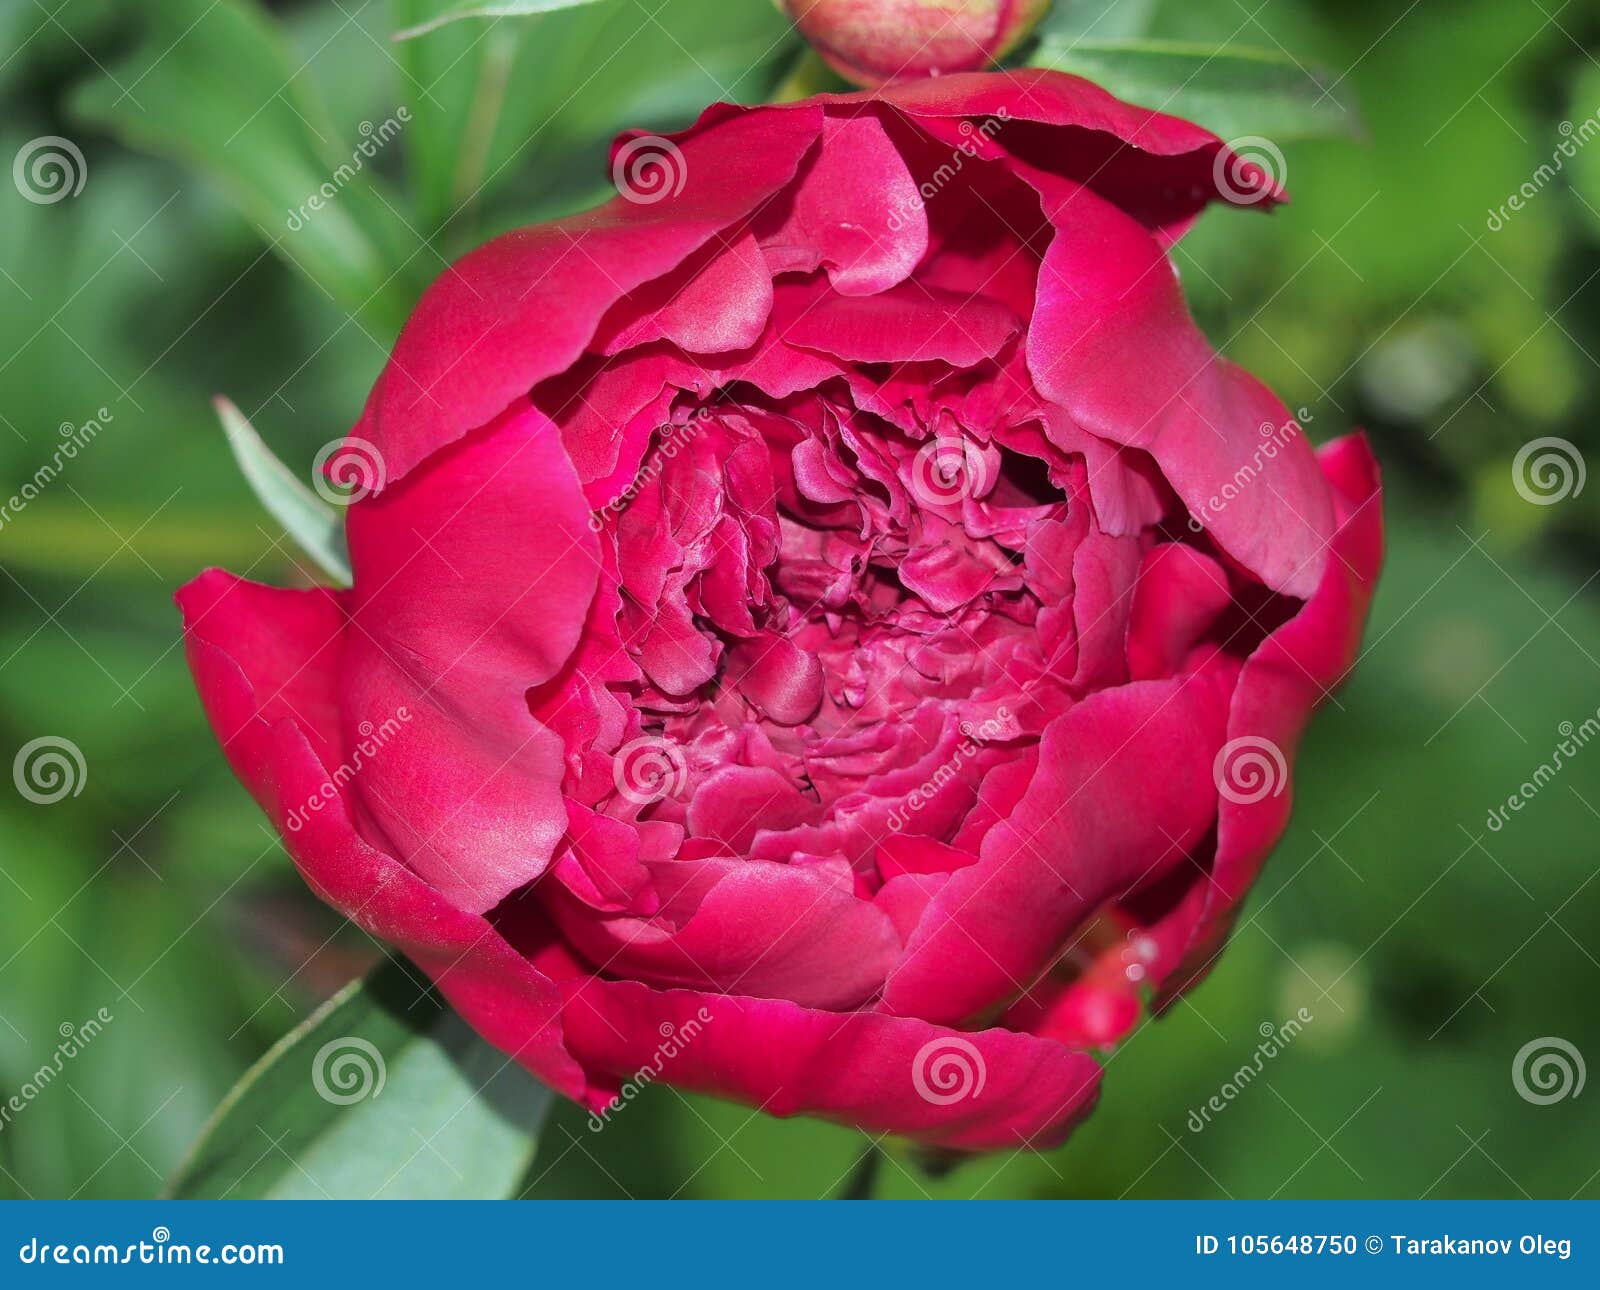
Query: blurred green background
column 1429, row 949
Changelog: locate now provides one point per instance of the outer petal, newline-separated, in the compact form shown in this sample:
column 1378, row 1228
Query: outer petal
column 1122, row 791
column 1289, row 675
column 859, row 1068
column 523, row 307
column 472, row 583
column 259, row 654
column 1112, row 342
column 1159, row 168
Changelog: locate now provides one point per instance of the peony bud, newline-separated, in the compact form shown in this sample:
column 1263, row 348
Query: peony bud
column 877, row 42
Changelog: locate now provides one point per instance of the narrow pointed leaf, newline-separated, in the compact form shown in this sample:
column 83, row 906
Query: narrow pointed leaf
column 316, row 527
column 457, row 9
column 1231, row 92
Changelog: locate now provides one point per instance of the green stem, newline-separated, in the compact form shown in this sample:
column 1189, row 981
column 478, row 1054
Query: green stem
column 863, row 1177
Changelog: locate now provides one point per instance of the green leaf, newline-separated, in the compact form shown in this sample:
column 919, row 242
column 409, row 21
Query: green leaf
column 1097, row 19
column 382, row 1093
column 520, row 114
column 1233, row 91
column 316, row 527
column 496, row 9
column 213, row 85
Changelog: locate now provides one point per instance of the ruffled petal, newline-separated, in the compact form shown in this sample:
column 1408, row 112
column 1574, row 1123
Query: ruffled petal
column 1122, row 791
column 523, row 307
column 986, row 1090
column 855, row 210
column 771, row 930
column 1109, row 305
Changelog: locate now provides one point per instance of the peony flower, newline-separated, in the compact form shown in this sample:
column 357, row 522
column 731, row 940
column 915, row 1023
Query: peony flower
column 827, row 629
column 877, row 42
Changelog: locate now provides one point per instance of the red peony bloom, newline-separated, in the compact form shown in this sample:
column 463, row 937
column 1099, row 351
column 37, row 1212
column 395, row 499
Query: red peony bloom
column 828, row 607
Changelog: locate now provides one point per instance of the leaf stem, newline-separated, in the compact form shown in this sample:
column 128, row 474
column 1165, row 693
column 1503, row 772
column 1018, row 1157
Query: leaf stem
column 863, row 1176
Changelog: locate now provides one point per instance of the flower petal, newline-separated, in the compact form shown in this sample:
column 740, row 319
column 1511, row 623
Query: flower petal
column 1123, row 790
column 470, row 798
column 523, row 307
column 1289, row 674
column 995, row 1089
column 258, row 655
